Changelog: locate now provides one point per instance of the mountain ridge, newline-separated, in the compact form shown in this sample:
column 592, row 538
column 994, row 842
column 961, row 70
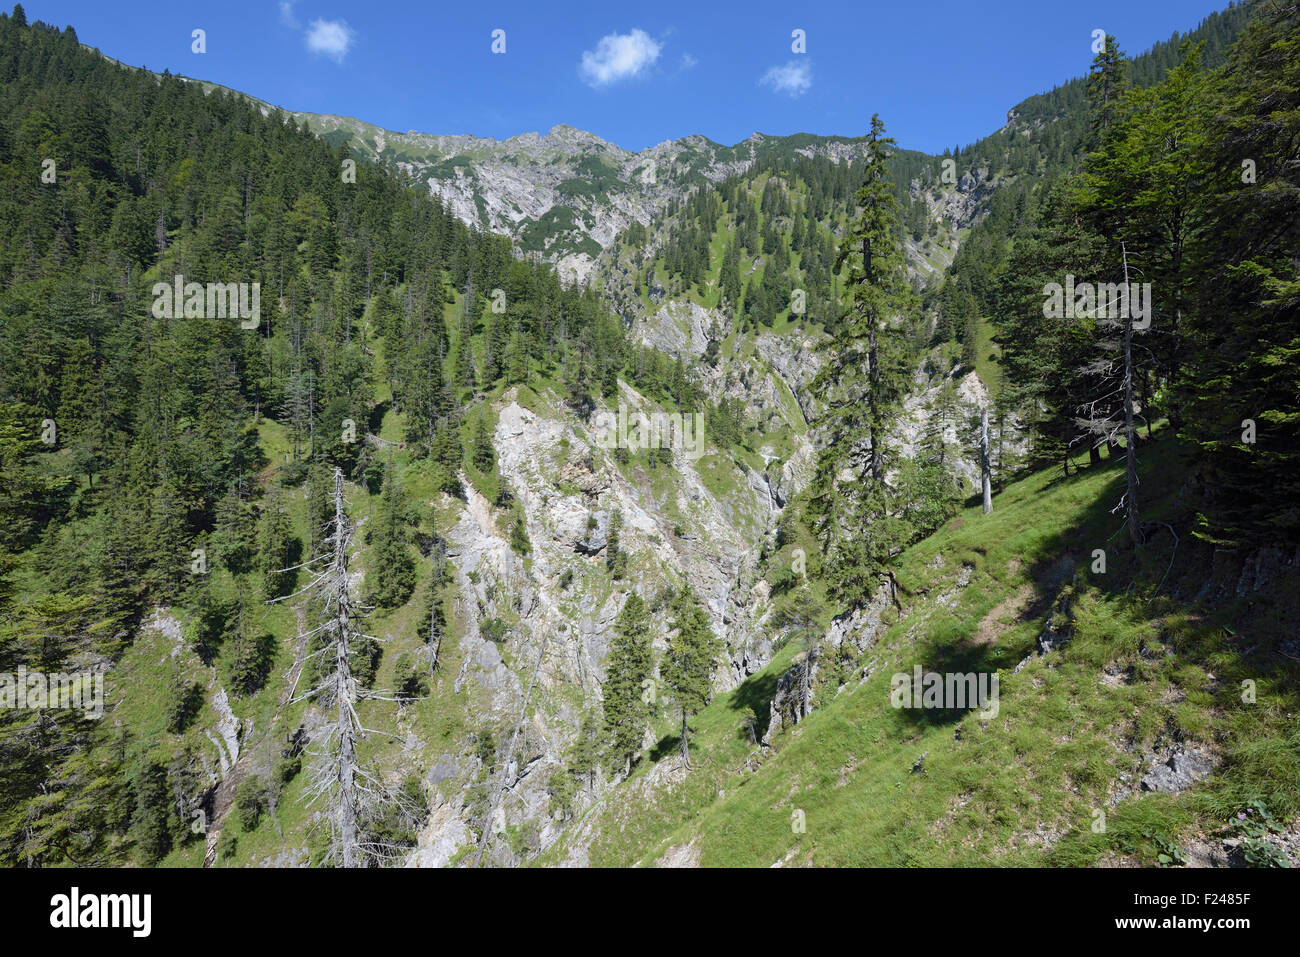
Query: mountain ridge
column 577, row 228
column 510, row 535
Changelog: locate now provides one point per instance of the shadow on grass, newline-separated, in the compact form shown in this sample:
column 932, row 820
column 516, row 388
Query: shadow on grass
column 1053, row 565
column 754, row 697
column 375, row 422
column 980, row 661
column 666, row 746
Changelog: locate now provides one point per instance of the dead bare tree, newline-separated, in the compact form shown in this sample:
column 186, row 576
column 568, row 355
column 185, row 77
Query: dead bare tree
column 434, row 641
column 1135, row 530
column 985, row 477
column 350, row 792
column 1110, row 414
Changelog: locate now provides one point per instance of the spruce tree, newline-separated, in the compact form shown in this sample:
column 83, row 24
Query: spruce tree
column 276, row 548
column 864, row 380
column 615, row 556
column 484, row 453
column 519, row 540
column 1143, row 187
column 464, row 372
column 693, row 652
column 433, row 622
column 391, row 575
column 448, row 455
column 1239, row 397
column 153, row 836
column 251, row 654
column 629, row 665
column 320, row 485
column 1044, row 356
column 1108, row 79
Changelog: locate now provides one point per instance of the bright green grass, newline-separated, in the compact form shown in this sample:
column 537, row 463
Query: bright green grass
column 987, row 352
column 1023, row 787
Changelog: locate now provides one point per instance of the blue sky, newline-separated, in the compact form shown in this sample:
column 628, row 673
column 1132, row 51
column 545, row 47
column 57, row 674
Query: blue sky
column 940, row 72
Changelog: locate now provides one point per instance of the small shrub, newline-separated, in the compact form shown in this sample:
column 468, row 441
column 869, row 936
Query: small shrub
column 250, row 802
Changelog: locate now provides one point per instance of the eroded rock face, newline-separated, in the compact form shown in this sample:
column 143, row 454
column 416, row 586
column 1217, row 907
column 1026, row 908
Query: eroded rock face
column 675, row 528
column 597, row 535
column 960, row 204
column 226, row 731
column 1060, row 625
column 562, row 602
column 564, row 197
column 793, row 700
column 796, row 360
column 922, row 407
column 861, row 627
column 680, row 328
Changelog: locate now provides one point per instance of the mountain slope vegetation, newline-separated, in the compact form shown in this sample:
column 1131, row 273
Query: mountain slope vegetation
column 647, row 513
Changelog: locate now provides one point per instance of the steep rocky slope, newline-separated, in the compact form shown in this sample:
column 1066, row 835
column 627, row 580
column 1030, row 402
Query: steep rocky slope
column 1104, row 743
column 567, row 194
column 694, row 521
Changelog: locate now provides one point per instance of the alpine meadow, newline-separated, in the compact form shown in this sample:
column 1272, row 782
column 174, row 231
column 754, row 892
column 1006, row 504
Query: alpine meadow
column 376, row 499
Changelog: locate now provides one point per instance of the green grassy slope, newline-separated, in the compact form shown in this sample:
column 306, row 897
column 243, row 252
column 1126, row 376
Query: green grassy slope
column 1074, row 728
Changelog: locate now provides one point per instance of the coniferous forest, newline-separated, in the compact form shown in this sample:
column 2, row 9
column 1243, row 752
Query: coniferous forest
column 337, row 483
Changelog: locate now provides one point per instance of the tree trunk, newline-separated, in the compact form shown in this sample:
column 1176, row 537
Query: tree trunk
column 1002, row 428
column 343, row 689
column 985, row 475
column 435, row 640
column 347, row 763
column 686, row 748
column 1146, row 400
column 1130, row 434
column 873, row 374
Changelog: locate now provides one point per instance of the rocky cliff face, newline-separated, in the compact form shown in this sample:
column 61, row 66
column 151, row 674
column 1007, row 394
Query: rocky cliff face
column 677, row 527
column 699, row 521
column 565, row 195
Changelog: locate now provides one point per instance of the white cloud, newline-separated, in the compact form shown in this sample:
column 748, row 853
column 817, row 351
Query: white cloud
column 286, row 15
column 795, row 78
column 688, row 61
column 331, row 38
column 619, row 56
